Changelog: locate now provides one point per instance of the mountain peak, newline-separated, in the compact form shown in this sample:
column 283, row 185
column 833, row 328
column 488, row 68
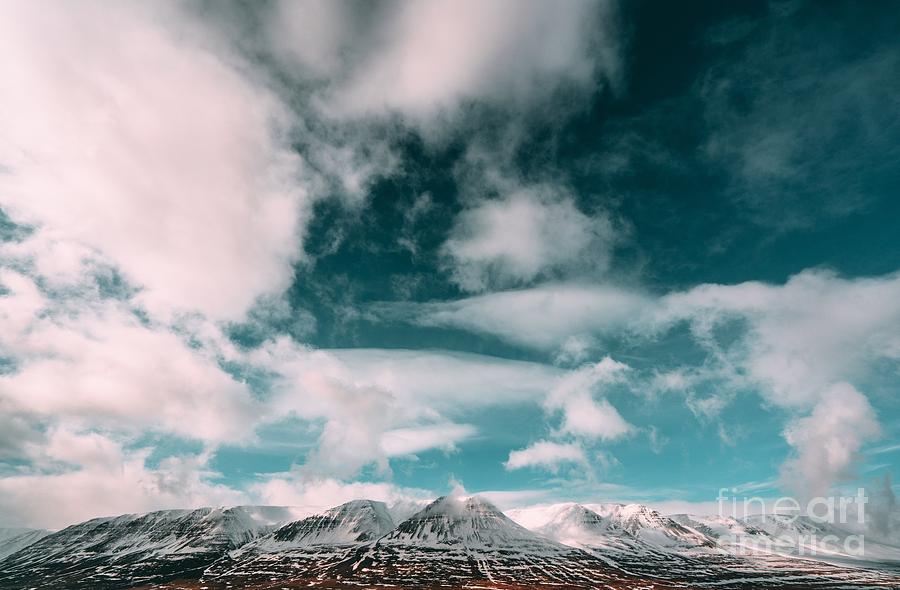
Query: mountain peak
column 457, row 504
column 470, row 521
column 352, row 522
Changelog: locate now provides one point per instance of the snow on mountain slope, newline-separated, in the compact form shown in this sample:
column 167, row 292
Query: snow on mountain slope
column 454, row 542
column 613, row 526
column 353, row 522
column 357, row 521
column 794, row 527
column 639, row 541
column 472, row 522
column 453, row 539
column 14, row 539
column 139, row 547
column 717, row 527
column 577, row 526
column 803, row 536
column 310, row 543
column 650, row 526
column 459, row 541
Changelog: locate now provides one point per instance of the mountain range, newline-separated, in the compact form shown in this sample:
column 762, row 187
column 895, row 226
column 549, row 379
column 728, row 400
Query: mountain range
column 453, row 542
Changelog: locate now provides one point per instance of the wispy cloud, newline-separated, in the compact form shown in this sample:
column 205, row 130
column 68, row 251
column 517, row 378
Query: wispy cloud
column 764, row 111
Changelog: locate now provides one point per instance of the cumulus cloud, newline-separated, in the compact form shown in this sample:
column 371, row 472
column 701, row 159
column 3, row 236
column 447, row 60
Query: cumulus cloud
column 135, row 132
column 161, row 175
column 99, row 365
column 426, row 61
column 796, row 338
column 583, row 414
column 527, row 234
column 808, row 345
column 311, row 36
column 799, row 338
column 828, row 441
column 882, row 514
column 103, row 479
column 547, row 455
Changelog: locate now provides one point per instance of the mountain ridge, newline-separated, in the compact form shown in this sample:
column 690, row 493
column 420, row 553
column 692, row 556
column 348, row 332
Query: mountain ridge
column 454, row 541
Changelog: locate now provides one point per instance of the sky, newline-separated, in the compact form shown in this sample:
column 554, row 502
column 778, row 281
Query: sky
column 297, row 253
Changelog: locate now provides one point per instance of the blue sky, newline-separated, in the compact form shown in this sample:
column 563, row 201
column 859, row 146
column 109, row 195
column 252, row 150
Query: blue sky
column 297, row 253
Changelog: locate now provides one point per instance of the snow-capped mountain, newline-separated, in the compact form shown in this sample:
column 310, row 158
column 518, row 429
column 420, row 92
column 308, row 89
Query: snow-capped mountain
column 459, row 541
column 354, row 522
column 718, row 527
column 614, row 527
column 455, row 542
column 681, row 549
column 651, row 527
column 471, row 522
column 578, row 526
column 139, row 548
column 452, row 540
column 806, row 537
column 15, row 539
column 309, row 543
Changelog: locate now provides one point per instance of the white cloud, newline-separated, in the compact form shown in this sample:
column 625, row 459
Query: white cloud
column 706, row 408
column 508, row 499
column 547, row 455
column 104, row 479
column 132, row 130
column 803, row 346
column 86, row 363
column 583, row 415
column 793, row 343
column 99, row 365
column 19, row 305
column 310, row 35
column 544, row 317
column 426, row 60
column 370, row 402
column 137, row 140
column 794, row 340
column 527, row 234
column 799, row 338
column 810, row 332
column 828, row 441
column 317, row 494
column 449, row 381
column 408, row 441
